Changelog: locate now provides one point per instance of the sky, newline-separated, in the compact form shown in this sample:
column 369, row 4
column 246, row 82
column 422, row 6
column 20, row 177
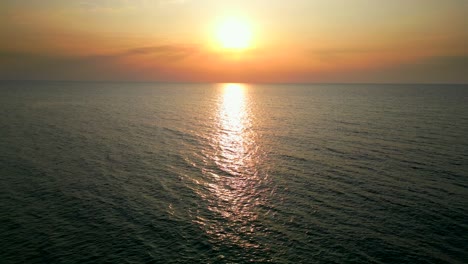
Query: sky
column 292, row 41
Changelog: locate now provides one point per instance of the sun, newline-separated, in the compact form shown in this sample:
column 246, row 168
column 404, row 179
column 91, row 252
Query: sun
column 234, row 33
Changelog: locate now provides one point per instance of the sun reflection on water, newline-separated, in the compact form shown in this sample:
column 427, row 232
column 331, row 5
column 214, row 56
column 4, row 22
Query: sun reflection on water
column 235, row 187
column 233, row 125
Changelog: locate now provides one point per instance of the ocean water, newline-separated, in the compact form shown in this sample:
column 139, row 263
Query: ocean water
column 233, row 173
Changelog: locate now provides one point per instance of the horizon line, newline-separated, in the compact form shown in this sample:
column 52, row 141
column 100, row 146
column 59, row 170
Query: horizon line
column 257, row 83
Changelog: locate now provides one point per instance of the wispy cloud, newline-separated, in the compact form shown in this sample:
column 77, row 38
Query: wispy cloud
column 106, row 5
column 166, row 51
column 119, row 5
column 122, row 64
column 338, row 54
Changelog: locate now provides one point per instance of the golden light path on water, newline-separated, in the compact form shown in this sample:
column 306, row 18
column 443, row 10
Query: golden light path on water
column 237, row 188
column 233, row 121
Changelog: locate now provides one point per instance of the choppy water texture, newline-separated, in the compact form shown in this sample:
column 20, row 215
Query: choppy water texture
column 207, row 173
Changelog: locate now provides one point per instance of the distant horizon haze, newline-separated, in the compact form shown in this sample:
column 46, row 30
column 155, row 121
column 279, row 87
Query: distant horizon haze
column 234, row 82
column 297, row 41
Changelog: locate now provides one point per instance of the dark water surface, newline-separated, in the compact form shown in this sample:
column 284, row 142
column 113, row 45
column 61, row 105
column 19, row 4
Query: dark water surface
column 207, row 173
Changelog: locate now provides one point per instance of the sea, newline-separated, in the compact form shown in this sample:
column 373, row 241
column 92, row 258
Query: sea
column 121, row 172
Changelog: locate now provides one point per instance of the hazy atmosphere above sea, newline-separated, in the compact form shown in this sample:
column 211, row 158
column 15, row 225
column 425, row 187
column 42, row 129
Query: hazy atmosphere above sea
column 415, row 41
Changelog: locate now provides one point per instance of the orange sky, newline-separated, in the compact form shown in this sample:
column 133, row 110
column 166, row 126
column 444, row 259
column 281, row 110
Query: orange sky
column 292, row 41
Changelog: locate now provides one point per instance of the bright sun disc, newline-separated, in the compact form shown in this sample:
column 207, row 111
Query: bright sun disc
column 234, row 34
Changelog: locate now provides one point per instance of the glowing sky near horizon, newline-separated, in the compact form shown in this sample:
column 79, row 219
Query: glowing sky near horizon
column 288, row 41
